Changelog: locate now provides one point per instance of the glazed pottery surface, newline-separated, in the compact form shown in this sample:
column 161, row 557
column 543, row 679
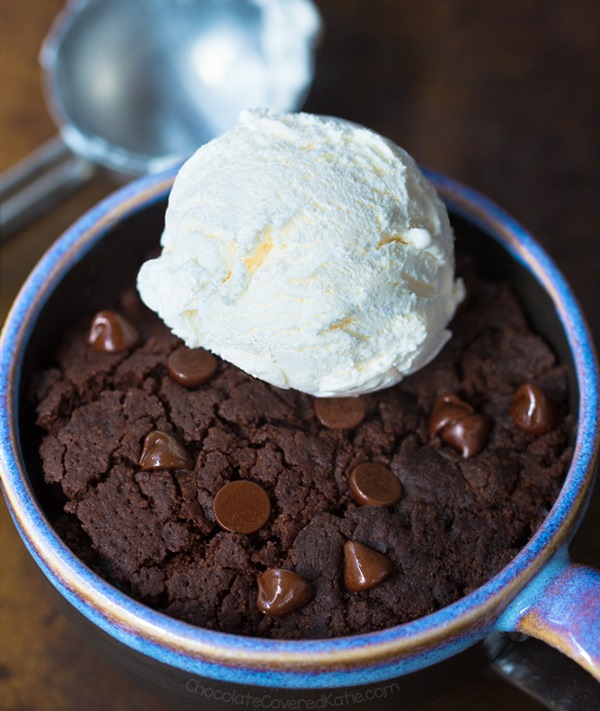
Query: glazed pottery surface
column 540, row 593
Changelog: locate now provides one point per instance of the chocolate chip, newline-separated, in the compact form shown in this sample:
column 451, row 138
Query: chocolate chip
column 340, row 413
column 459, row 426
column 364, row 567
column 532, row 411
column 242, row 507
column 469, row 435
column 281, row 591
column 448, row 408
column 111, row 333
column 191, row 367
column 374, row 485
column 161, row 451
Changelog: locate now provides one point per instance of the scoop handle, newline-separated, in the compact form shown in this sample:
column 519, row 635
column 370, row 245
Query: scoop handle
column 38, row 182
column 560, row 607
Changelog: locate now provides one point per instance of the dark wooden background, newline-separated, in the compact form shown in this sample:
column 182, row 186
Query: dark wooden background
column 500, row 95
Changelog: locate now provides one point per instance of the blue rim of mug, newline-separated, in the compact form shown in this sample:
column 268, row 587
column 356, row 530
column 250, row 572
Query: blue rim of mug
column 326, row 663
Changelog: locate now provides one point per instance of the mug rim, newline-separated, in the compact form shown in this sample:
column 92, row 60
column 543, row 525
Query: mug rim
column 222, row 654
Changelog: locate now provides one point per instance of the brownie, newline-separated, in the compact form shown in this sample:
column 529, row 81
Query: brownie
column 152, row 532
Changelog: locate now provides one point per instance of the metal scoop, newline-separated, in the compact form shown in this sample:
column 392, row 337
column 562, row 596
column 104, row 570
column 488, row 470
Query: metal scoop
column 138, row 85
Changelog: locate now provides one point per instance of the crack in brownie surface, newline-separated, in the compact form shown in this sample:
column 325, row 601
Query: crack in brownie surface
column 153, row 533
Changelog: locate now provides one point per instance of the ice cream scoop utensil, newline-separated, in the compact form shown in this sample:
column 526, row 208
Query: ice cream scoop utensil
column 137, row 85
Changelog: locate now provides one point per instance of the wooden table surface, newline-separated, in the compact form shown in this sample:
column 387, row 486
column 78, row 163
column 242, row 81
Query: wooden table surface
column 499, row 95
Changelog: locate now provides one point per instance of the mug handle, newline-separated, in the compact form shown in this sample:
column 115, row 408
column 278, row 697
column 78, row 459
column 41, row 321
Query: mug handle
column 561, row 607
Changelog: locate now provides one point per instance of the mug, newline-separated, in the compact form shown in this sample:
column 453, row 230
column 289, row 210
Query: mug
column 540, row 593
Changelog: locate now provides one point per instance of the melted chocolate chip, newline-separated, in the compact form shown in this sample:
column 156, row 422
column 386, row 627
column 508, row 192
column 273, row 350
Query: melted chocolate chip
column 242, row 507
column 364, row 567
column 448, row 408
column 532, row 411
column 469, row 435
column 111, row 333
column 459, row 426
column 191, row 367
column 161, row 451
column 340, row 413
column 281, row 591
column 374, row 485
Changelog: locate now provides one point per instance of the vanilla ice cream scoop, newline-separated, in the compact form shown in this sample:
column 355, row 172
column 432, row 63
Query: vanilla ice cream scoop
column 308, row 251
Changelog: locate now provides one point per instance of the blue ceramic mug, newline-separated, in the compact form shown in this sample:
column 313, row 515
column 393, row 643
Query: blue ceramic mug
column 539, row 593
